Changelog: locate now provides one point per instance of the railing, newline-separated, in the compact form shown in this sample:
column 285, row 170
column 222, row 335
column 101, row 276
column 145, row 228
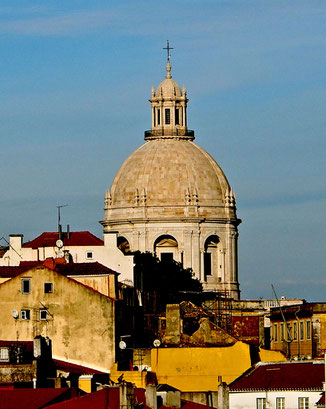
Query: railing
column 186, row 133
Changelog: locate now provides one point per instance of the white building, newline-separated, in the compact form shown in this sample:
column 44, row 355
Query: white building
column 79, row 247
column 282, row 385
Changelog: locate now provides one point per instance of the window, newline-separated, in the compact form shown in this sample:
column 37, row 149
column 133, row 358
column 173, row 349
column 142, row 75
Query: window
column 289, row 332
column 167, row 116
column 207, row 264
column 26, row 285
column 308, row 329
column 282, row 332
column 25, row 314
column 89, row 255
column 166, row 257
column 275, row 333
column 280, row 403
column 261, row 403
column 295, row 331
column 301, row 330
column 4, row 354
column 43, row 315
column 177, row 121
column 303, row 403
column 48, row 288
column 158, row 117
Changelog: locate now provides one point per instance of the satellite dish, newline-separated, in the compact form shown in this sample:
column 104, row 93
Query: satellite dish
column 15, row 313
column 156, row 343
column 122, row 345
column 59, row 243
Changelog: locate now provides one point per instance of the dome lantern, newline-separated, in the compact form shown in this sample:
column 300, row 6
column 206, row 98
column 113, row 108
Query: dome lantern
column 169, row 109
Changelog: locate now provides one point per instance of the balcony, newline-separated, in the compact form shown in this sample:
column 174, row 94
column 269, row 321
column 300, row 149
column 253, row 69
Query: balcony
column 169, row 133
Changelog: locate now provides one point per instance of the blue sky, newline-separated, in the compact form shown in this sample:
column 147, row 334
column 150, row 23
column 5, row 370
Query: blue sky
column 75, row 81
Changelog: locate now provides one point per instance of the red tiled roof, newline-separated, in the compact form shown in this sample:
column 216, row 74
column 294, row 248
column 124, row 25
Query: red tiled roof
column 71, row 269
column 186, row 404
column 77, row 238
column 73, row 368
column 64, row 269
column 108, row 398
column 281, row 376
column 10, row 271
column 33, row 398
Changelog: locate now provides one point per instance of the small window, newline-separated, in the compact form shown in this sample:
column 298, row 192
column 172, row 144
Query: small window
column 26, row 285
column 166, row 257
column 301, row 330
column 25, row 314
column 177, row 121
column 207, row 264
column 308, row 329
column 295, row 331
column 4, row 354
column 261, row 403
column 167, row 116
column 43, row 315
column 158, row 117
column 48, row 288
column 282, row 332
column 89, row 255
column 303, row 403
column 280, row 403
column 275, row 333
column 289, row 332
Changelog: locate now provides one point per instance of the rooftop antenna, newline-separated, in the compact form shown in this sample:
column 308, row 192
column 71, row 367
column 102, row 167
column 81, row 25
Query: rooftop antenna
column 59, row 219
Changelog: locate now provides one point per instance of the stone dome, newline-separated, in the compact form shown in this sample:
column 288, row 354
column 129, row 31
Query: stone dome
column 171, row 198
column 167, row 177
column 169, row 89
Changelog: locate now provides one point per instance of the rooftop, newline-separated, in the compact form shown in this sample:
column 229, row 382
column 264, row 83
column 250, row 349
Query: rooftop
column 67, row 269
column 281, row 376
column 77, row 238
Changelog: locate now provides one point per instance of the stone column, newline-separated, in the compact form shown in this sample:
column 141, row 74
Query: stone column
column 196, row 262
column 187, row 256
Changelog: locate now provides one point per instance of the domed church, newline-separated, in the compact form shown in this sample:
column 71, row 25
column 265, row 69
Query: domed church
column 171, row 198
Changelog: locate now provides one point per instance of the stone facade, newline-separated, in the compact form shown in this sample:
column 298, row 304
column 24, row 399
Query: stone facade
column 170, row 197
column 79, row 320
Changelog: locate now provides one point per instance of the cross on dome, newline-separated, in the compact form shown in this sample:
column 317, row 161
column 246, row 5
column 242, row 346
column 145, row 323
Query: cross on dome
column 168, row 48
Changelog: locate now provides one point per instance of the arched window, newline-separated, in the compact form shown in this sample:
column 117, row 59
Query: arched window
column 211, row 257
column 123, row 245
column 166, row 248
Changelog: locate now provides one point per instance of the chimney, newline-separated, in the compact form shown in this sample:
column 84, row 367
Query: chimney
column 16, row 241
column 126, row 395
column 173, row 324
column 151, row 396
column 68, row 231
column 110, row 239
column 223, row 394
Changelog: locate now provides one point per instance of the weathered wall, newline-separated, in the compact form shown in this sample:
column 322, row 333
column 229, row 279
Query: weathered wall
column 197, row 369
column 80, row 321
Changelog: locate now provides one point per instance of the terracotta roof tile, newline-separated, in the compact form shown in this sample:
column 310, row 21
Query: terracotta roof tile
column 33, row 398
column 281, row 376
column 77, row 238
column 69, row 269
column 73, row 368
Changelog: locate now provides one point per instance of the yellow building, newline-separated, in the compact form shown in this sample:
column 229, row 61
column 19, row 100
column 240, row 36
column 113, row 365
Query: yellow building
column 78, row 319
column 301, row 331
column 196, row 369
